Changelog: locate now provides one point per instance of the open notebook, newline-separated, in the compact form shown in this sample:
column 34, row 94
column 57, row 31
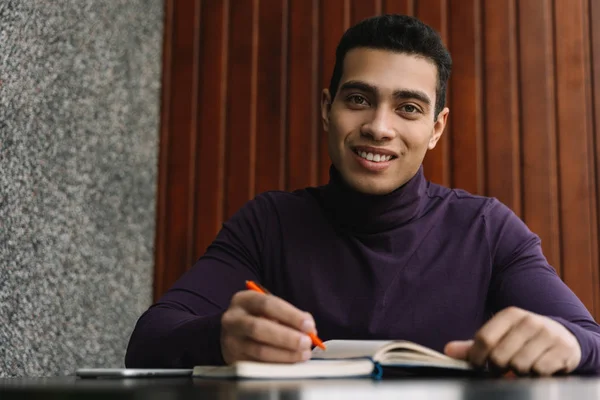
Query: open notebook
column 344, row 358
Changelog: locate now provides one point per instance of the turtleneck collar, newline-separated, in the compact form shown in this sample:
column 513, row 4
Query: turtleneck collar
column 366, row 213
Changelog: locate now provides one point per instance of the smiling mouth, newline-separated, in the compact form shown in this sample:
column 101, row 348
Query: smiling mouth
column 373, row 156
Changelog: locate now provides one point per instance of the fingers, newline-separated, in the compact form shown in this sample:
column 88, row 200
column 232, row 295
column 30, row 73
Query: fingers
column 524, row 358
column 265, row 328
column 524, row 342
column 512, row 348
column 458, row 349
column 550, row 363
column 492, row 332
column 268, row 332
column 274, row 308
column 263, row 352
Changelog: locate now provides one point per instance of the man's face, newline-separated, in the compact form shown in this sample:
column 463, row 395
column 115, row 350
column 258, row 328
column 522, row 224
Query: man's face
column 381, row 122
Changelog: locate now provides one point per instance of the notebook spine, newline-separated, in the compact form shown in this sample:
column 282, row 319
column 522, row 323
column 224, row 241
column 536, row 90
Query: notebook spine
column 377, row 373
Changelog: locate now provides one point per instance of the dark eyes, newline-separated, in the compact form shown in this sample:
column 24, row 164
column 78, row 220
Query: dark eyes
column 409, row 108
column 358, row 100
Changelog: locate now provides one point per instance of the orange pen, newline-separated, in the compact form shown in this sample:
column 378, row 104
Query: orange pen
column 251, row 285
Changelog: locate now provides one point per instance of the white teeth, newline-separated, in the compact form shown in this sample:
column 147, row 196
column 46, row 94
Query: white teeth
column 373, row 157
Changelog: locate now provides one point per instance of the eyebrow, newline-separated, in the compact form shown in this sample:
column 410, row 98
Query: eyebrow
column 398, row 94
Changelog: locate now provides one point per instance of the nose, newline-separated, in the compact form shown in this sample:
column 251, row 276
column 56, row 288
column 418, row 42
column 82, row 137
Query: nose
column 380, row 125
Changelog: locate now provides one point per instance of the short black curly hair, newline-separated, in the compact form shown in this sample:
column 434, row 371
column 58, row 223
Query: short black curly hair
column 397, row 33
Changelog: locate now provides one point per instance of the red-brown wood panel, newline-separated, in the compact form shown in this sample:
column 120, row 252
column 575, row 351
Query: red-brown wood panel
column 210, row 153
column 576, row 172
column 404, row 7
column 241, row 98
column 332, row 15
column 435, row 14
column 538, row 125
column 240, row 115
column 302, row 92
column 437, row 161
column 363, row 9
column 466, row 96
column 594, row 24
column 177, row 153
column 502, row 144
column 270, row 103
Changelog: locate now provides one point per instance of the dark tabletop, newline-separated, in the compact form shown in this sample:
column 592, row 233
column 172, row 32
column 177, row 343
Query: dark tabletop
column 187, row 388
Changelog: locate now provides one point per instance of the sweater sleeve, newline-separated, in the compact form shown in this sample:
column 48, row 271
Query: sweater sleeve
column 183, row 328
column 522, row 277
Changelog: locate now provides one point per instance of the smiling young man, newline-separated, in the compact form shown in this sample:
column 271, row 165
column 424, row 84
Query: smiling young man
column 378, row 252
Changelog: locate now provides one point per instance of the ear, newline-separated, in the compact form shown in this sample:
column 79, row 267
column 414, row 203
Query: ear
column 325, row 108
column 438, row 128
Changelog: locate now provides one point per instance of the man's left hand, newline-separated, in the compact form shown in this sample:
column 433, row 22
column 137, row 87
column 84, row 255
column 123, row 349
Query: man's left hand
column 522, row 341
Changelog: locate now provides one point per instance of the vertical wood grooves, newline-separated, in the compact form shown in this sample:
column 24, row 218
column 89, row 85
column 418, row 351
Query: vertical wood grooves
column 190, row 243
column 405, row 7
column 588, row 36
column 240, row 115
column 575, row 174
column 209, row 175
column 284, row 93
column 253, row 99
column 450, row 182
column 538, row 125
column 226, row 139
column 436, row 163
column 445, row 145
column 347, row 11
column 179, row 163
column 269, row 96
column 239, row 105
column 501, row 111
column 321, row 159
column 480, row 76
column 588, row 65
column 594, row 34
column 465, row 45
column 314, row 83
column 333, row 14
column 320, row 84
column 301, row 144
column 516, row 175
column 519, row 122
column 556, row 134
column 285, row 79
column 484, row 91
column 224, row 116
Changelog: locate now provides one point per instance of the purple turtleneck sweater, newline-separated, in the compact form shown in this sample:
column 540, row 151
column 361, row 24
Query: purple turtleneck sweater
column 424, row 263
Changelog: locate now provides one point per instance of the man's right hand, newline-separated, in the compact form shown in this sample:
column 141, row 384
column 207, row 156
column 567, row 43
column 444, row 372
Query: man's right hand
column 260, row 327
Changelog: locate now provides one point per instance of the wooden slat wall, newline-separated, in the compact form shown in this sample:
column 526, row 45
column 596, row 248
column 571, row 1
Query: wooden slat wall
column 594, row 22
column 437, row 162
column 240, row 114
column 208, row 176
column 501, row 103
column 465, row 44
column 537, row 109
column 576, row 148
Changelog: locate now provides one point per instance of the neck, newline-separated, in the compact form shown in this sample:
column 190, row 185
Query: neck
column 367, row 213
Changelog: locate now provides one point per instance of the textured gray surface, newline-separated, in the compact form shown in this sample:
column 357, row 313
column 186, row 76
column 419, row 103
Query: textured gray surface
column 79, row 115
